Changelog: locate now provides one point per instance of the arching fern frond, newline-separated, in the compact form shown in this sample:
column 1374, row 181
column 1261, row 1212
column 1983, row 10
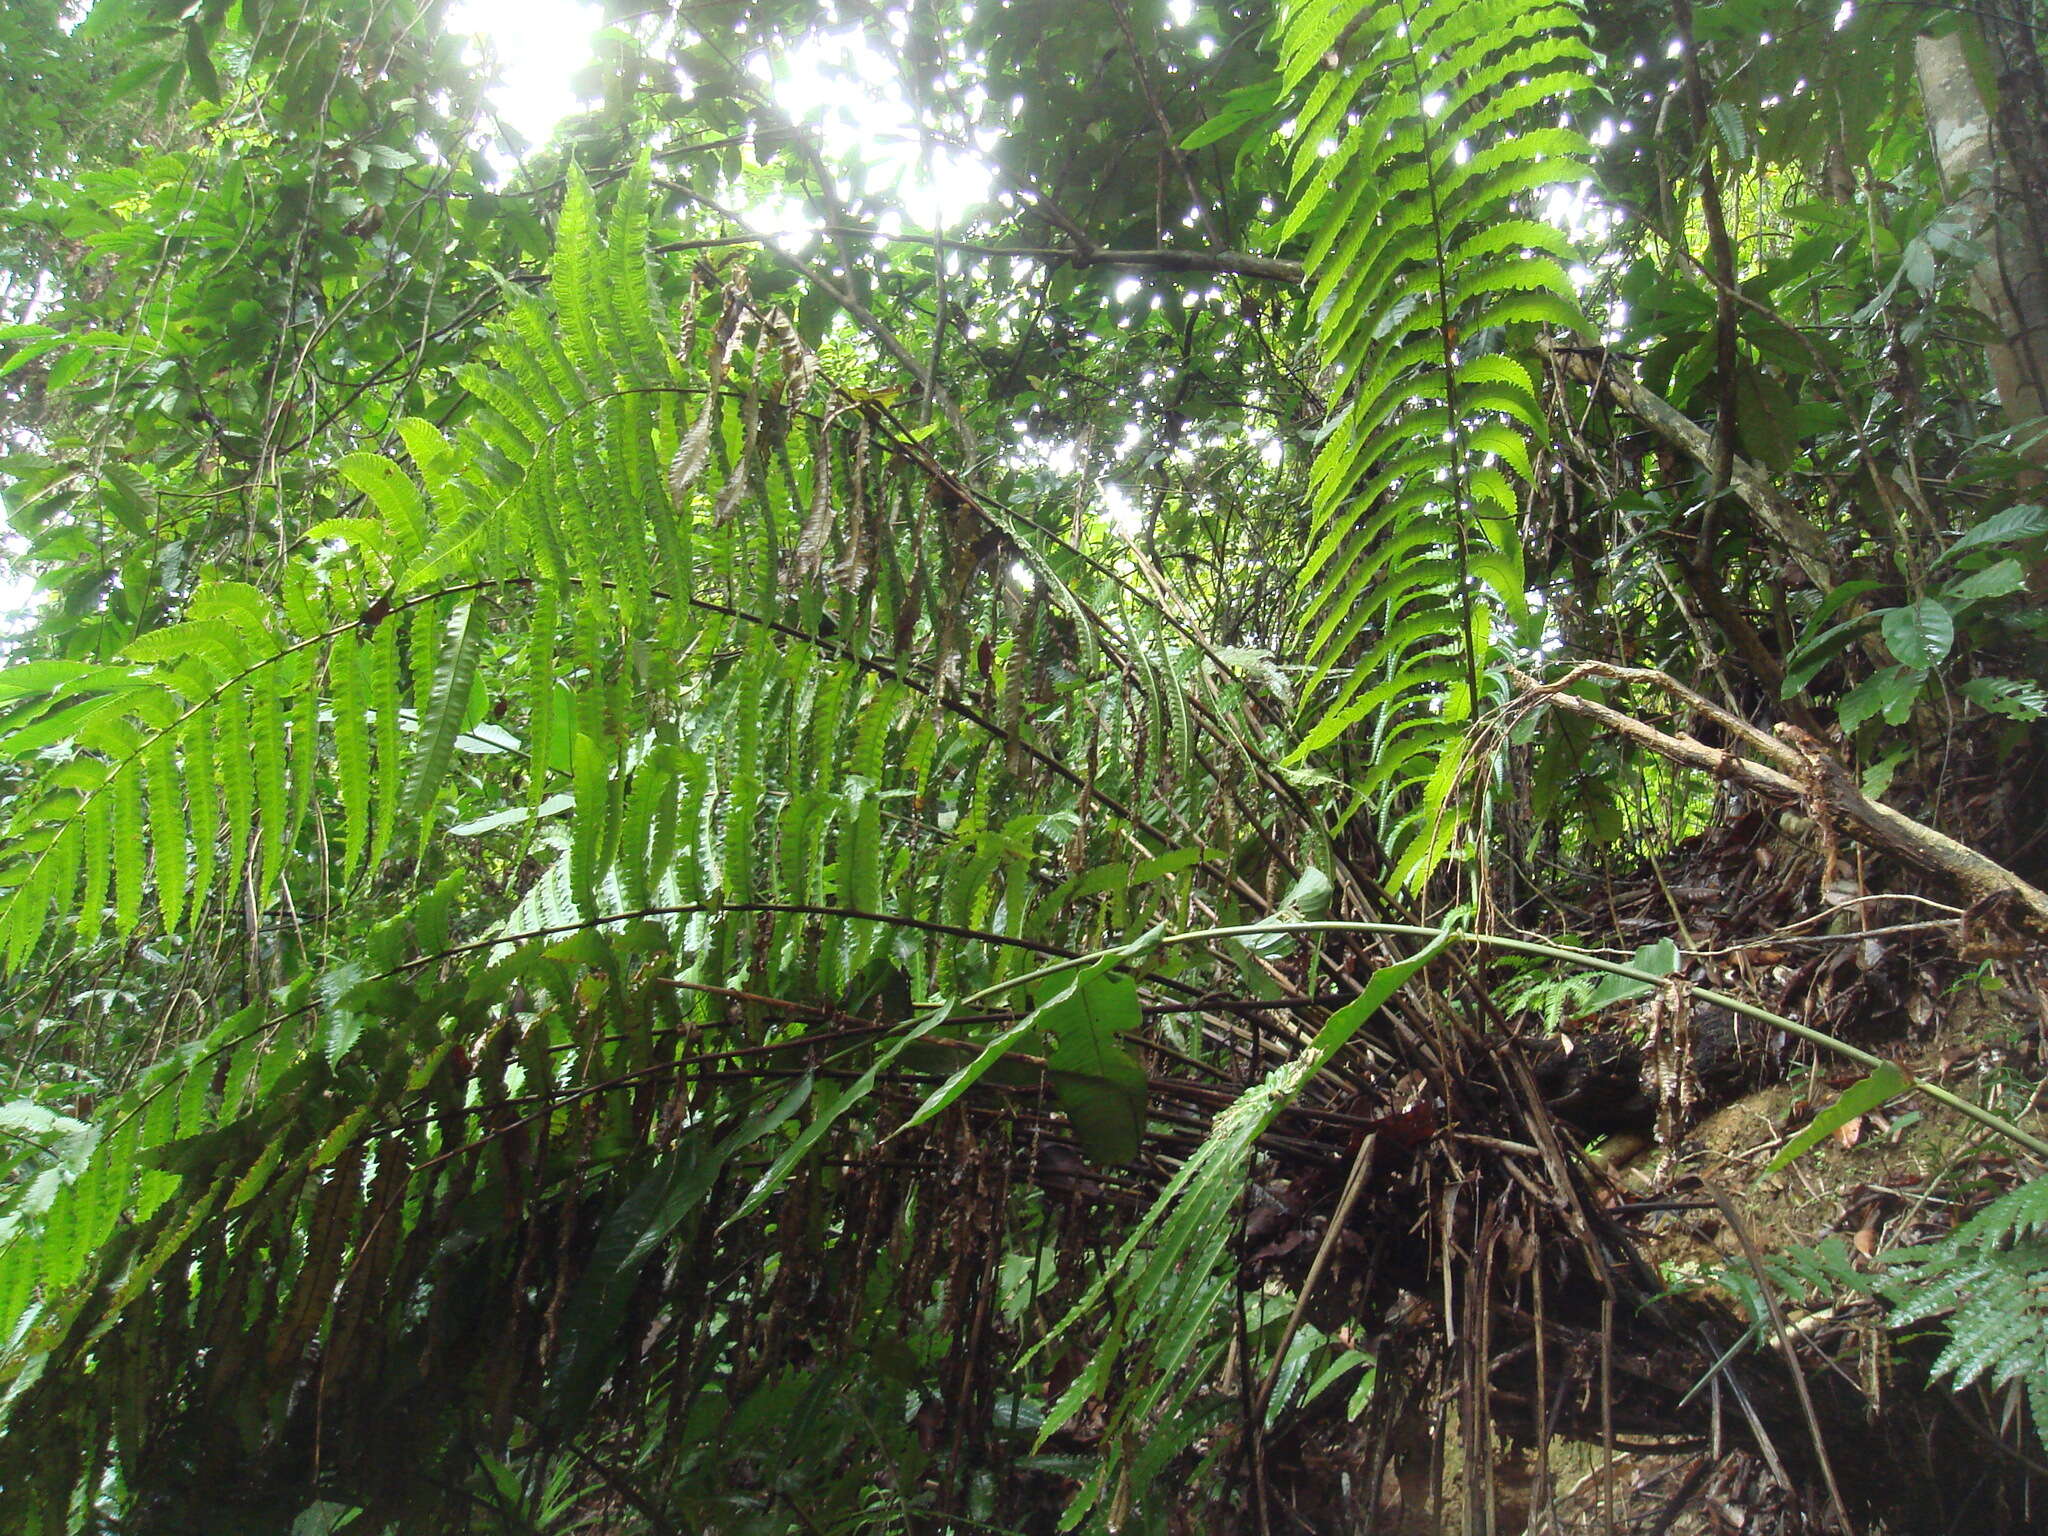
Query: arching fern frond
column 802, row 731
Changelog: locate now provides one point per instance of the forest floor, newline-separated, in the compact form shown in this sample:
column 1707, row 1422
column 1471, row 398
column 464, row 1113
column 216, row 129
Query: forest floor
column 1896, row 1175
column 1703, row 1183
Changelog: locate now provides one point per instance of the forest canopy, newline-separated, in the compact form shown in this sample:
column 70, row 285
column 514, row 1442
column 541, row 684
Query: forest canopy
column 1015, row 767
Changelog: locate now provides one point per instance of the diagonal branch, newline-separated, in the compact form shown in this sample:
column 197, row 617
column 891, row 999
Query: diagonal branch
column 1806, row 775
column 1785, row 522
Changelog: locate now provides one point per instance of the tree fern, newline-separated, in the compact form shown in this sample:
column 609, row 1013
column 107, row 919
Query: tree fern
column 1416, row 157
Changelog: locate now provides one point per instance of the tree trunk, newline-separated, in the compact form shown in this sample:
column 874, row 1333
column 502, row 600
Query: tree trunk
column 2010, row 286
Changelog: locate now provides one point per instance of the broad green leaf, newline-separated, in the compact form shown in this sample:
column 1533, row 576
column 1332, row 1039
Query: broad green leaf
column 1066, row 985
column 1098, row 1082
column 1889, row 692
column 1995, row 580
column 1866, row 1094
column 2028, row 520
column 1659, row 958
column 1920, row 634
column 514, row 816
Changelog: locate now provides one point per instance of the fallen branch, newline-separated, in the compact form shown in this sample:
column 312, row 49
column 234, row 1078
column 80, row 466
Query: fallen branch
column 1805, row 774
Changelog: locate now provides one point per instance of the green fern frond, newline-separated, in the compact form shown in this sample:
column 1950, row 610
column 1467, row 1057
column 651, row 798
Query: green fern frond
column 2019, row 1215
column 1171, row 1272
column 1990, row 1278
column 1419, row 155
column 742, row 719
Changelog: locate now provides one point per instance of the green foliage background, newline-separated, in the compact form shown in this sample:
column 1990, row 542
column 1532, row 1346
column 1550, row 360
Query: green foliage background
column 623, row 905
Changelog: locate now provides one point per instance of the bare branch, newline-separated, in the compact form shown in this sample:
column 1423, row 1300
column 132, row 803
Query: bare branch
column 1807, row 776
column 1799, row 534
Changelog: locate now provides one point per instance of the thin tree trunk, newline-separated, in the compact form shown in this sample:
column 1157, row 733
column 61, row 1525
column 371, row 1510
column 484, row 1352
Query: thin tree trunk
column 2010, row 286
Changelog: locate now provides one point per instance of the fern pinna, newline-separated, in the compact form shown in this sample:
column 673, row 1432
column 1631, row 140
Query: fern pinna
column 1425, row 139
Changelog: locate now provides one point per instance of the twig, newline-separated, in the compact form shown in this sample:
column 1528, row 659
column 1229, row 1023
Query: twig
column 1789, row 1350
column 1353, row 1187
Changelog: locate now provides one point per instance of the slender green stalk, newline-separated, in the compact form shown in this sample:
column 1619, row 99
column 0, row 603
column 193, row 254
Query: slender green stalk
column 1934, row 1091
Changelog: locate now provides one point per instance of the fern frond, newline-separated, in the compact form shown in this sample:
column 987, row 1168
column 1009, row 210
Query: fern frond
column 2019, row 1215
column 1171, row 1272
column 1417, row 160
